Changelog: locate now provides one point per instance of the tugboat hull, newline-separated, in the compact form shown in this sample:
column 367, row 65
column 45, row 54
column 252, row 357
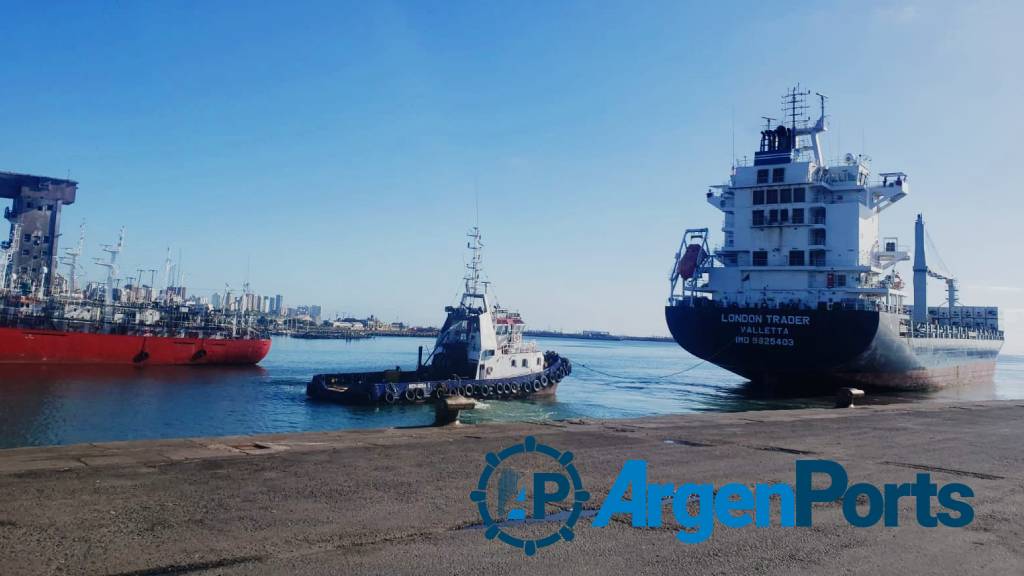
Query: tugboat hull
column 819, row 350
column 395, row 387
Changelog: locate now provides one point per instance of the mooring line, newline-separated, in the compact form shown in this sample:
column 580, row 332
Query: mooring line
column 662, row 377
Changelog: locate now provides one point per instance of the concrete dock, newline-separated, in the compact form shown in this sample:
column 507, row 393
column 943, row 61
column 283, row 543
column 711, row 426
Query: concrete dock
column 396, row 501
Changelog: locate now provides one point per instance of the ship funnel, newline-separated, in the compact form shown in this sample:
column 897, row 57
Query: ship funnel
column 920, row 274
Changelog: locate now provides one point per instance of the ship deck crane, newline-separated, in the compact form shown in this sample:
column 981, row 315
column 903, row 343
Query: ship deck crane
column 951, row 289
column 921, row 274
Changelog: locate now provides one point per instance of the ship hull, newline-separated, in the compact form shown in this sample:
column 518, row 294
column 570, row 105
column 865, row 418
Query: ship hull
column 819, row 350
column 397, row 387
column 29, row 346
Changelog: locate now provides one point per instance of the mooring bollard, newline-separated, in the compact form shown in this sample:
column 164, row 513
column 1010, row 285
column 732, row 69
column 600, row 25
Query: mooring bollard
column 446, row 410
column 846, row 396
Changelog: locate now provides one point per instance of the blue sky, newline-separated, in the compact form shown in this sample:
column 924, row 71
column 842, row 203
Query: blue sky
column 337, row 148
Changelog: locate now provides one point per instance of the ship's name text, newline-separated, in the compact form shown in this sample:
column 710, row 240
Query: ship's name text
column 777, row 319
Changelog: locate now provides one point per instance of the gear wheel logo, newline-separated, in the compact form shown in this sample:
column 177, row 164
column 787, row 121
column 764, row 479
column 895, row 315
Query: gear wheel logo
column 554, row 481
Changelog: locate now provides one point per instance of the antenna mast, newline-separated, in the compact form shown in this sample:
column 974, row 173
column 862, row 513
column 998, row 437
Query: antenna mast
column 473, row 268
column 794, row 106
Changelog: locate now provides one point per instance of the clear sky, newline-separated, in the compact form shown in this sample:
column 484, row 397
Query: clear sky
column 337, row 148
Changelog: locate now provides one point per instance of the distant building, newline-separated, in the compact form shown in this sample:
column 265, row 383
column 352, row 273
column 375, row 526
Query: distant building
column 35, row 227
column 315, row 312
column 278, row 305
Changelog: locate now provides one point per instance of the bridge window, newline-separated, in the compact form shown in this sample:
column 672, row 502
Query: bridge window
column 779, row 175
column 817, row 257
column 840, row 280
column 757, row 218
column 758, row 197
column 773, row 216
column 762, row 177
column 785, row 196
column 760, row 258
column 799, row 195
column 784, row 215
column 773, row 196
column 513, row 362
column 798, row 215
column 817, row 236
column 796, row 257
column 817, row 215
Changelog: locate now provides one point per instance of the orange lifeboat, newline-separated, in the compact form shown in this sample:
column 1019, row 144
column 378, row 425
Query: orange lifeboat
column 693, row 256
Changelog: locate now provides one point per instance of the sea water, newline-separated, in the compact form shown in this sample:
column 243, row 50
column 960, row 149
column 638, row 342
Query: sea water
column 42, row 405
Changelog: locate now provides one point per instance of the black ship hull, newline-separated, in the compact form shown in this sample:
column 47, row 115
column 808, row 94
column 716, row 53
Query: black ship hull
column 819, row 350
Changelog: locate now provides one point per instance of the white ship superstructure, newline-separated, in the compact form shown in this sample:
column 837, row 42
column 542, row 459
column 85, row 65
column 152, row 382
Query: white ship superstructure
column 801, row 235
column 798, row 231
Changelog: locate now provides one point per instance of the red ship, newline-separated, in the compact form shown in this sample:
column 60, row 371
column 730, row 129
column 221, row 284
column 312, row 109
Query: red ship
column 25, row 345
column 46, row 318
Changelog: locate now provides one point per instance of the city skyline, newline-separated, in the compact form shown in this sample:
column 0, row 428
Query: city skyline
column 337, row 154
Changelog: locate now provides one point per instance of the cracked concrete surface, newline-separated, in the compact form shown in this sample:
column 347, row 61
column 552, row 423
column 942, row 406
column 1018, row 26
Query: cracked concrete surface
column 395, row 501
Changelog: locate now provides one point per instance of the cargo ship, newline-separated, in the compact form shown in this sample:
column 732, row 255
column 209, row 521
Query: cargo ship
column 803, row 292
column 479, row 352
column 47, row 318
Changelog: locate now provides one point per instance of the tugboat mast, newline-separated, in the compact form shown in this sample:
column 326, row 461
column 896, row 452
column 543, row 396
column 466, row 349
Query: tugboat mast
column 473, row 268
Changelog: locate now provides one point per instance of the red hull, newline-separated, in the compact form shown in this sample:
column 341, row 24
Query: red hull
column 27, row 346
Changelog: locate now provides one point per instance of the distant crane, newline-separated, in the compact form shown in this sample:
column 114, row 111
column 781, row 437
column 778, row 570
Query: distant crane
column 112, row 271
column 70, row 259
column 8, row 250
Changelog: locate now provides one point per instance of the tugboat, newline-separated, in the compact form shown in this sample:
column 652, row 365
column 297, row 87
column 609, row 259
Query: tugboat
column 479, row 352
column 803, row 292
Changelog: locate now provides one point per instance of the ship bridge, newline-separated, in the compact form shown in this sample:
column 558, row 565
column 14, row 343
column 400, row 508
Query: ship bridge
column 800, row 230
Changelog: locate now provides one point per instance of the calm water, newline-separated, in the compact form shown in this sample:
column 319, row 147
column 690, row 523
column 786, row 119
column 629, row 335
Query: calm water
column 59, row 405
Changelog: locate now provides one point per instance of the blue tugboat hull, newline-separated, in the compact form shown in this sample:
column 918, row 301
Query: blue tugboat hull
column 395, row 387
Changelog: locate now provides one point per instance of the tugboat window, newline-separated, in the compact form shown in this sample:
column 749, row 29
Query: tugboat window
column 785, row 196
column 513, row 362
column 773, row 216
column 773, row 196
column 796, row 257
column 760, row 258
column 798, row 215
column 799, row 195
column 783, row 215
column 757, row 218
column 758, row 196
column 762, row 176
column 779, row 175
